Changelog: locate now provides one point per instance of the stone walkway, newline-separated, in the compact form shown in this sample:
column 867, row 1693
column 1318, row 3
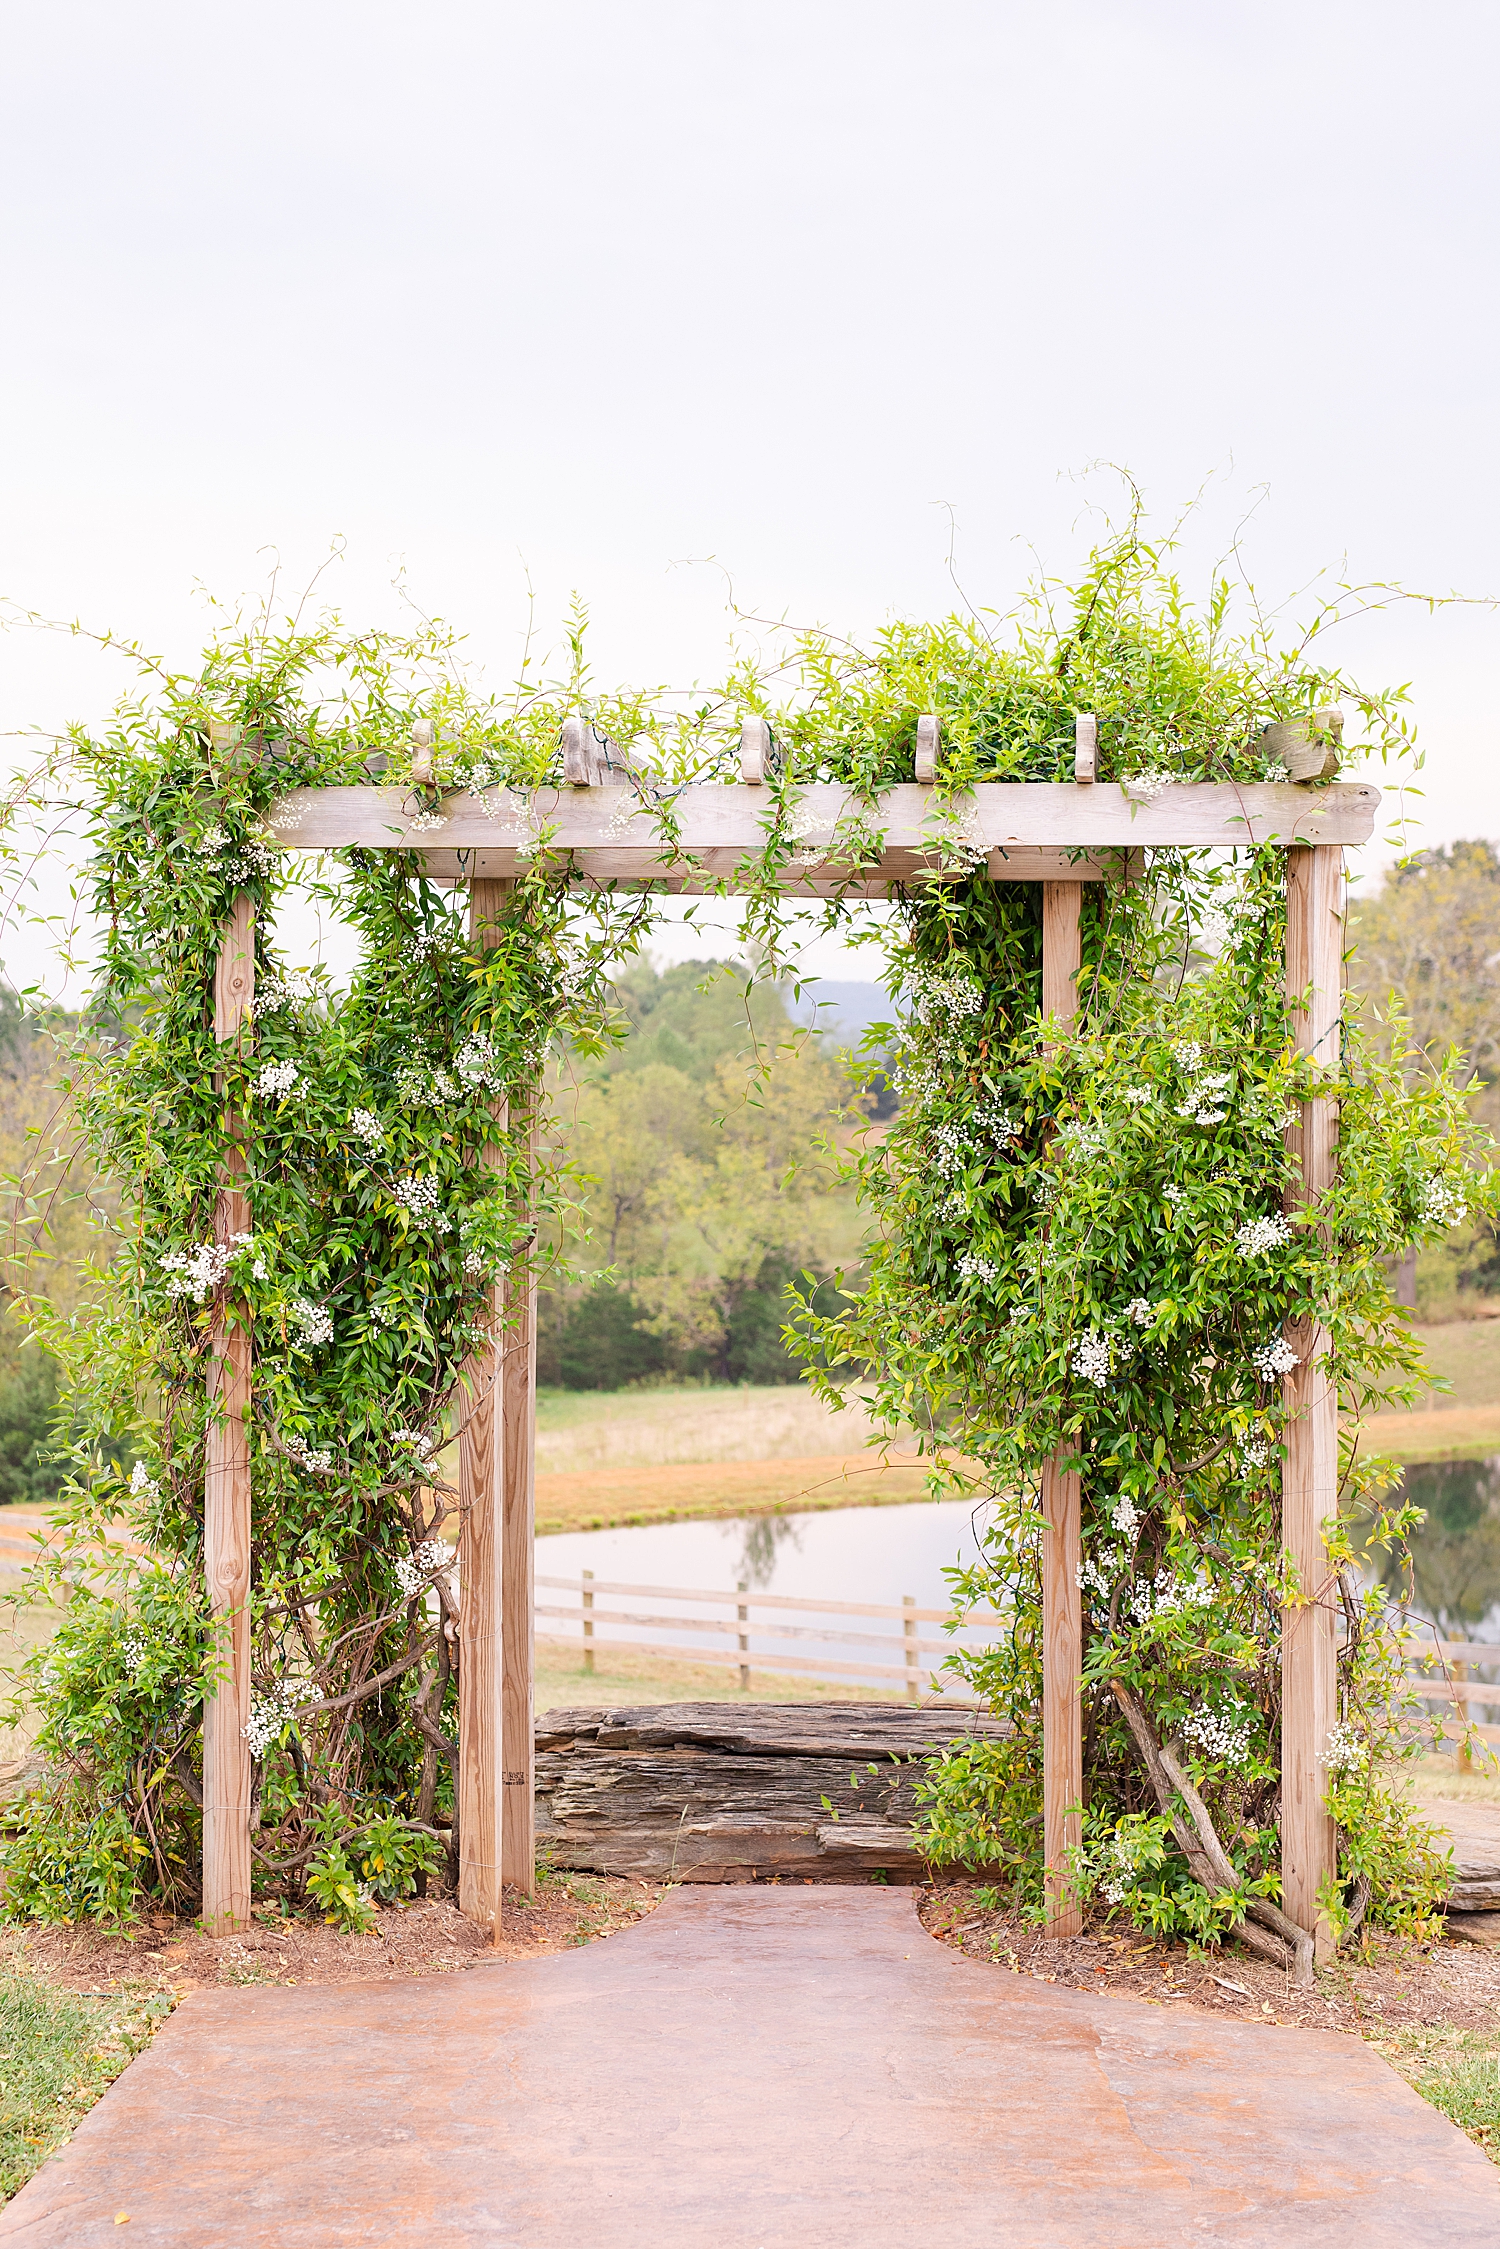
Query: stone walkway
column 751, row 2069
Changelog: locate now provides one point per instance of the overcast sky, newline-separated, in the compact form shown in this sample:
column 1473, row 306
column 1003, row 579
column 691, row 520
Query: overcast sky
column 598, row 292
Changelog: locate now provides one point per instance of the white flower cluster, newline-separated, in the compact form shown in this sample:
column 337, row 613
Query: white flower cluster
column 997, row 1123
column 1139, row 1312
column 951, row 1147
column 1344, row 1751
column 421, row 1198
column 474, row 1264
column 1083, row 1138
column 940, row 998
column 314, row 1320
column 254, row 861
column 421, row 1445
column 197, row 1272
column 277, row 1079
column 1091, row 1358
column 1254, row 1453
column 1136, row 1096
column 318, row 1458
column 1125, row 1515
column 975, row 1268
column 1188, row 1055
column 1444, row 1205
column 1147, row 787
column 1205, row 1104
column 915, row 1081
column 478, row 1065
column 143, row 1484
column 1092, row 1578
column 1175, row 1194
column 421, row 1088
column 1164, row 1594
column 425, row 823
column 1275, row 1358
column 212, row 841
column 366, row 1126
column 277, row 992
column 1225, row 1734
column 415, row 1572
column 1261, row 1234
column 133, row 1650
column 267, row 1719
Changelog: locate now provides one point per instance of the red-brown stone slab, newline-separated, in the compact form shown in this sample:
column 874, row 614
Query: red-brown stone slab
column 752, row 2069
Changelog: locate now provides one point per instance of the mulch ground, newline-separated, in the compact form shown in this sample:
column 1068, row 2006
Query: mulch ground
column 429, row 1937
column 1383, row 1988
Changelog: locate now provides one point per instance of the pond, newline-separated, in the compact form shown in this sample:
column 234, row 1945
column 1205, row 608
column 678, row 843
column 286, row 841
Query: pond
column 876, row 1555
column 880, row 1554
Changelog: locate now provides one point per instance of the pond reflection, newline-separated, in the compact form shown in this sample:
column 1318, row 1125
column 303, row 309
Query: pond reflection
column 760, row 1539
column 1455, row 1554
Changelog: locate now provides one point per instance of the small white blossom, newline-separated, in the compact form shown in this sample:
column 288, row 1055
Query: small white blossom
column 1136, row 1095
column 1175, row 1194
column 994, row 1119
column 277, row 1079
column 1125, row 1516
column 474, row 1264
column 1139, row 1312
column 1090, row 1358
column 267, row 1719
column 1275, row 1358
column 1444, row 1205
column 974, row 1268
column 1225, row 1734
column 951, row 1148
column 314, row 1320
column 1205, row 1105
column 1261, row 1234
column 946, row 997
column 415, row 1439
column 318, row 1458
column 133, row 1650
column 1188, row 1055
column 415, row 1572
column 366, row 1126
column 196, row 1272
column 1094, row 1580
column 419, row 1196
column 212, row 841
column 478, row 1064
column 1254, row 1453
column 1344, row 1751
column 143, row 1484
column 277, row 992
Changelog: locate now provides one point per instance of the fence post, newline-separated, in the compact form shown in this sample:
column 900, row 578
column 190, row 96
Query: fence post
column 1062, row 1601
column 226, row 1491
column 744, row 1638
column 481, row 1567
column 911, row 1658
column 1309, row 1475
column 588, row 1623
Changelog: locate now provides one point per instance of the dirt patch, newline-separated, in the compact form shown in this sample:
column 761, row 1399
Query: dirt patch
column 1383, row 1989
column 427, row 1938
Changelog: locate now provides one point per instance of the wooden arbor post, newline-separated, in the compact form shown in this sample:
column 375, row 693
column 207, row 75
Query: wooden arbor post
column 226, row 1496
column 1062, row 1540
column 1309, row 1476
column 497, row 1488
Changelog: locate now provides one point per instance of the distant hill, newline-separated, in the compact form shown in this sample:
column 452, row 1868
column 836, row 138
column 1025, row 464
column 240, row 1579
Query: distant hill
column 840, row 1007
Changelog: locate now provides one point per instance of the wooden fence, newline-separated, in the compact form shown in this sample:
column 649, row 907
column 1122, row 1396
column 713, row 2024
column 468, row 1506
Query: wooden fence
column 733, row 1632
column 1454, row 1685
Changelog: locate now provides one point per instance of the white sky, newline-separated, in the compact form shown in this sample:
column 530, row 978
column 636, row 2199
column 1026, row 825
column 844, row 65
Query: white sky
column 598, row 292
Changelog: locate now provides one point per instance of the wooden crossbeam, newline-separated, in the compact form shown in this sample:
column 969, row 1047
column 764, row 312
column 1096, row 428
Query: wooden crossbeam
column 1035, row 831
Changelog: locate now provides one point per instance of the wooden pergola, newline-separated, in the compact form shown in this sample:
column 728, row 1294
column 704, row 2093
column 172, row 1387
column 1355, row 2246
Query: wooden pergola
column 1061, row 835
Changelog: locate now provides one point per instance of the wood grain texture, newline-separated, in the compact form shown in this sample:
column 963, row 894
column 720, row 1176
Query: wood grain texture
column 701, row 1792
column 720, row 824
column 481, row 1574
column 1309, row 1477
column 1062, row 1544
column 518, row 1480
column 227, row 1764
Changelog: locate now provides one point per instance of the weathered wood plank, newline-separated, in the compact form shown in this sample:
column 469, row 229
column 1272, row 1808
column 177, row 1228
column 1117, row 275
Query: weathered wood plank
column 227, row 1765
column 518, row 1445
column 1062, row 1500
column 1019, row 827
column 863, row 1730
column 481, row 1572
column 1309, row 1477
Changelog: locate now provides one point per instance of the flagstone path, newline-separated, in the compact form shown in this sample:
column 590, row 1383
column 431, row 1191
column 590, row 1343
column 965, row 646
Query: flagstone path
column 751, row 2068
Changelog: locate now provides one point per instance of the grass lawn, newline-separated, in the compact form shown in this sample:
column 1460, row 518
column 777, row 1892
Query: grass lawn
column 1462, row 1423
column 58, row 2052
column 623, row 1678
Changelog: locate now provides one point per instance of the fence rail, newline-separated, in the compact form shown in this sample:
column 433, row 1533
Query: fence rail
column 909, row 1645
